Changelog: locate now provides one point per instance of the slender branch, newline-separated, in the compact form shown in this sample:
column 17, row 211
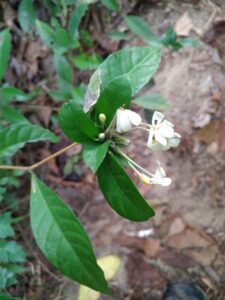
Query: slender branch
column 38, row 164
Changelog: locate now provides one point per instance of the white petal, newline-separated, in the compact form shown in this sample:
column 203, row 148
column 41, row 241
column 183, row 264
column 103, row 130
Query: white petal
column 157, row 118
column 123, row 123
column 150, row 138
column 162, row 181
column 166, row 130
column 161, row 139
column 135, row 118
column 173, row 142
column 160, row 171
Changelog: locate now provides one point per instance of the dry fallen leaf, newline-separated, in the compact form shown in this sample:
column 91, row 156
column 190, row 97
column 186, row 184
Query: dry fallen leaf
column 183, row 25
column 177, row 226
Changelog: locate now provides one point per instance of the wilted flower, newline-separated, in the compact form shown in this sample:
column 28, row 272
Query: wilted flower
column 126, row 119
column 158, row 178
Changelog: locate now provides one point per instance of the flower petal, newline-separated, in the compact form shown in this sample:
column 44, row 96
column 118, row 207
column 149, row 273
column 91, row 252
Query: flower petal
column 166, row 129
column 123, row 123
column 160, row 138
column 134, row 118
column 157, row 118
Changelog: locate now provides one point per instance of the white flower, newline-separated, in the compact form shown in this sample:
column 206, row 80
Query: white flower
column 162, row 134
column 158, row 178
column 125, row 119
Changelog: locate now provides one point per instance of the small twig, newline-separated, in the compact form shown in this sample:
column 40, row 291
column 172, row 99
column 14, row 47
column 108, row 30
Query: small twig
column 38, row 164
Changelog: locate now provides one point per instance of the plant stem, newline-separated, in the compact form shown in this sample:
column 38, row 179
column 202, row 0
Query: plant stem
column 38, row 164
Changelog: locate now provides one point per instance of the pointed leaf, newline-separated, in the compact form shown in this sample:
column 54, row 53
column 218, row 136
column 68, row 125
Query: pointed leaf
column 136, row 64
column 110, row 100
column 26, row 15
column 139, row 26
column 62, row 238
column 121, row 193
column 76, row 124
column 75, row 19
column 15, row 137
column 94, row 154
column 111, row 4
column 4, row 51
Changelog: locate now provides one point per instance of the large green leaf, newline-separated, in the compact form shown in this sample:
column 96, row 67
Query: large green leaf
column 121, row 193
column 110, row 99
column 76, row 124
column 26, row 15
column 11, row 252
column 62, row 238
column 15, row 137
column 136, row 64
column 94, row 154
column 75, row 19
column 4, row 51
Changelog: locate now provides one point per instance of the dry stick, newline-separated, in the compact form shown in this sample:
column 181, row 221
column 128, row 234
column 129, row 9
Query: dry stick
column 38, row 164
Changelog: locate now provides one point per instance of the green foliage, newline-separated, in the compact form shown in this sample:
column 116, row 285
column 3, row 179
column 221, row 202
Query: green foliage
column 4, row 296
column 87, row 62
column 4, row 51
column 12, row 115
column 121, row 193
column 140, row 27
column 62, row 238
column 16, row 136
column 111, row 4
column 9, row 94
column 76, row 124
column 152, row 102
column 10, row 253
column 26, row 15
column 137, row 65
column 6, row 229
column 119, row 36
column 110, row 100
column 75, row 19
column 94, row 154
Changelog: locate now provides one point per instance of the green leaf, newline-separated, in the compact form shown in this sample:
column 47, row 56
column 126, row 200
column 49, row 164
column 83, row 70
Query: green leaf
column 26, row 15
column 136, row 64
column 76, row 125
column 6, row 229
column 7, row 278
column 12, row 115
column 111, row 4
column 110, row 100
column 56, row 39
column 4, row 51
column 15, row 137
column 4, row 296
column 119, row 36
column 87, row 62
column 139, row 26
column 152, row 102
column 62, row 238
column 9, row 94
column 64, row 71
column 94, row 154
column 11, row 252
column 121, row 193
column 75, row 19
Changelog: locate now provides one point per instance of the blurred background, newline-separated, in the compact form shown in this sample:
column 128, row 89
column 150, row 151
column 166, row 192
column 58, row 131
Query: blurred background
column 54, row 48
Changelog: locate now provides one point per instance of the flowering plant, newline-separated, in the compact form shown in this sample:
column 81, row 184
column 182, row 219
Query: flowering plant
column 102, row 125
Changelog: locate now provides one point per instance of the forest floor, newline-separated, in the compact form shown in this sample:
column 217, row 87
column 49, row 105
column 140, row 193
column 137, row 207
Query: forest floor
column 185, row 241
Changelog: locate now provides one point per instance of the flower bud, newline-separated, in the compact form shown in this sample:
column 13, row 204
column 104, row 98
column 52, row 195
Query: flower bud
column 101, row 136
column 102, row 118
